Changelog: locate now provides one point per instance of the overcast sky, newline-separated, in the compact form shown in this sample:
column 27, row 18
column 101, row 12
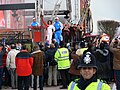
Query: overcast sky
column 105, row 10
column 49, row 4
column 101, row 9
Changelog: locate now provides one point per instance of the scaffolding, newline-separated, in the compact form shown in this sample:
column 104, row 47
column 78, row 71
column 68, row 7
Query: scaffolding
column 15, row 35
column 56, row 9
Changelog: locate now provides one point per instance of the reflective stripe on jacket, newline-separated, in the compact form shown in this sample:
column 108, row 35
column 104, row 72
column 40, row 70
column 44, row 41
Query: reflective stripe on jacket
column 93, row 86
column 80, row 51
column 62, row 58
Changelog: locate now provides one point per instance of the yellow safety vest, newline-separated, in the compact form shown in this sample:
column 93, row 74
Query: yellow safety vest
column 93, row 86
column 80, row 51
column 62, row 58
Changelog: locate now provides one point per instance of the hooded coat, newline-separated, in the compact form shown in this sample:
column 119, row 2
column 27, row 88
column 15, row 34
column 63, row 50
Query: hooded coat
column 73, row 70
column 116, row 56
column 38, row 62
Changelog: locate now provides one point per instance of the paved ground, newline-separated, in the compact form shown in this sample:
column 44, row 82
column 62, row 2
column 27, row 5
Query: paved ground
column 45, row 88
column 113, row 87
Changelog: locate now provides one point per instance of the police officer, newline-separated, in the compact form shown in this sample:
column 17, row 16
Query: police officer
column 88, row 79
column 62, row 58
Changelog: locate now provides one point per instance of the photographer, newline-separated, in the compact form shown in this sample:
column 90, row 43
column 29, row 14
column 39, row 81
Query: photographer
column 115, row 49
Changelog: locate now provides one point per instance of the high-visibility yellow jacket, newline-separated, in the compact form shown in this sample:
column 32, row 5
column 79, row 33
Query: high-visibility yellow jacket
column 99, row 85
column 80, row 51
column 62, row 58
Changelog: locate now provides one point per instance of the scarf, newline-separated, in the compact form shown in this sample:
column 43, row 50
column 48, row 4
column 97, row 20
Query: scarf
column 82, row 84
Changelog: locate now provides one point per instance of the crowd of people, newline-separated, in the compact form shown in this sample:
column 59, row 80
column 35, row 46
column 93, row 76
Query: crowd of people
column 82, row 64
column 59, row 31
column 59, row 64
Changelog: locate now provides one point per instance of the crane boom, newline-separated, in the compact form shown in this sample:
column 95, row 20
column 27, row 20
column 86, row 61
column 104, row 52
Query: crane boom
column 56, row 8
column 86, row 21
column 83, row 15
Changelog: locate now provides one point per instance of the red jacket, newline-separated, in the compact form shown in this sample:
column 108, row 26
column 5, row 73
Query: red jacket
column 4, row 59
column 24, row 62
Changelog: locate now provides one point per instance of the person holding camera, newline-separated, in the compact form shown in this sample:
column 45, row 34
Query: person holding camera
column 115, row 49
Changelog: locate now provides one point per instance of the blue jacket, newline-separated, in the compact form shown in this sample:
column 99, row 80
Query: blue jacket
column 34, row 24
column 58, row 26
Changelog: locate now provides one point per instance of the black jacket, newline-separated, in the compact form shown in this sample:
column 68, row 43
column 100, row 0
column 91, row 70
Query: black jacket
column 103, row 63
column 50, row 55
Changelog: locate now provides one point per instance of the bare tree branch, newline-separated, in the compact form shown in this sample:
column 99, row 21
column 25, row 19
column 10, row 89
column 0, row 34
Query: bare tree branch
column 107, row 26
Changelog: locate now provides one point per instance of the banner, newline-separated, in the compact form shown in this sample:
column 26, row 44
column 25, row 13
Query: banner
column 2, row 19
column 37, row 36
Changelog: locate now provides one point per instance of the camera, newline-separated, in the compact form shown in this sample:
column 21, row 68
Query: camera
column 116, row 41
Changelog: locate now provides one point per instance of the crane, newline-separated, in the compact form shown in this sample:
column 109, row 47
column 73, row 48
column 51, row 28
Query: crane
column 84, row 12
column 86, row 18
column 56, row 9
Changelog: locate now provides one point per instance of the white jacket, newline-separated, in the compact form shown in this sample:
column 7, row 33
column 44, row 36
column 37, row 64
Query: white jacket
column 10, row 61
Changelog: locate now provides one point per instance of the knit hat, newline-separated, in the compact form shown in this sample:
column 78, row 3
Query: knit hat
column 52, row 45
column 47, row 44
column 36, row 47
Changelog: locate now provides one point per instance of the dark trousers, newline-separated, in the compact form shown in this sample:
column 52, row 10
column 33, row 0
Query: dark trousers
column 23, row 82
column 40, row 83
column 65, row 77
column 1, row 76
column 117, row 78
column 7, row 81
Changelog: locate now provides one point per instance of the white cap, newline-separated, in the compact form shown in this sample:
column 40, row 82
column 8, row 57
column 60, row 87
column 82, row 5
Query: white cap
column 56, row 17
column 68, row 44
column 34, row 18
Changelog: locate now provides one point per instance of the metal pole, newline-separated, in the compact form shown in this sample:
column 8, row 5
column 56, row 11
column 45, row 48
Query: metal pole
column 40, row 18
column 68, row 5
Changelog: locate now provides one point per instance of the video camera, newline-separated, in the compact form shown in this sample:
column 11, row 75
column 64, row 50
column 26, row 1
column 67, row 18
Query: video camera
column 116, row 40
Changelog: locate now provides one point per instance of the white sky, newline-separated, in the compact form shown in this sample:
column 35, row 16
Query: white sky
column 105, row 10
column 49, row 4
column 101, row 9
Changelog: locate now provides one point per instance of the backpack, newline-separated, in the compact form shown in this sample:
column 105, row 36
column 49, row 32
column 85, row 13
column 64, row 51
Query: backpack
column 50, row 58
